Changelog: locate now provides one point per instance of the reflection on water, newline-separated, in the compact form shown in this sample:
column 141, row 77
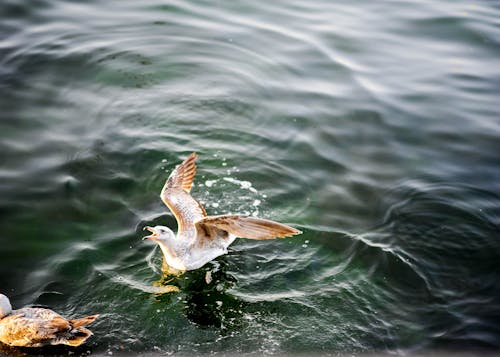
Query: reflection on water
column 373, row 127
column 205, row 298
column 44, row 351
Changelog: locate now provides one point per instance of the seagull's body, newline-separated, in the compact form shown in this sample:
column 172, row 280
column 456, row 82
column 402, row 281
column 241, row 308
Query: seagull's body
column 37, row 327
column 201, row 238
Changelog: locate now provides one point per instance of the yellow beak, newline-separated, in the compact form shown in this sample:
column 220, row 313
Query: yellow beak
column 154, row 234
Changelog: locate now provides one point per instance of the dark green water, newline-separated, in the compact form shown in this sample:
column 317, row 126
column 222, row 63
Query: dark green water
column 372, row 126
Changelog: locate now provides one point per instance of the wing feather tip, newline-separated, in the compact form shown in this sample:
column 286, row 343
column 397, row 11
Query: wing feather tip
column 290, row 233
column 183, row 174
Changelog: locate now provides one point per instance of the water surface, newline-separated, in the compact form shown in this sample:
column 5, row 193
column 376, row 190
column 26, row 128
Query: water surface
column 373, row 127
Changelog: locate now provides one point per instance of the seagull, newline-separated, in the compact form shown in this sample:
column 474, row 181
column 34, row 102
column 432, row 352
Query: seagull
column 201, row 238
column 37, row 327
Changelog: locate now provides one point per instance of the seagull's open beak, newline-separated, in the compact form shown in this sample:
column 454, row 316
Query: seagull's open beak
column 154, row 234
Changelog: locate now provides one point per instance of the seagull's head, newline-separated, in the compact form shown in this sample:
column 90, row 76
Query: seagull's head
column 5, row 307
column 159, row 234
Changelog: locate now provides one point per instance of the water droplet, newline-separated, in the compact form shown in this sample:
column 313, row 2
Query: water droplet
column 210, row 183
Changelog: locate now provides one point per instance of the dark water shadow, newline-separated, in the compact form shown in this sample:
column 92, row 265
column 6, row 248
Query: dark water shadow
column 206, row 301
column 59, row 350
column 447, row 233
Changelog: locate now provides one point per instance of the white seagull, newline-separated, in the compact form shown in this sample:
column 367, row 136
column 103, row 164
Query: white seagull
column 201, row 238
column 37, row 327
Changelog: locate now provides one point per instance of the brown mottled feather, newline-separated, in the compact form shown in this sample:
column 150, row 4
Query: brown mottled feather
column 183, row 174
column 243, row 227
column 36, row 327
column 175, row 194
column 83, row 321
column 56, row 325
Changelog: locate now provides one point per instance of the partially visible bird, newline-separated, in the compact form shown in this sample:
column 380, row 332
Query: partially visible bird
column 201, row 238
column 37, row 327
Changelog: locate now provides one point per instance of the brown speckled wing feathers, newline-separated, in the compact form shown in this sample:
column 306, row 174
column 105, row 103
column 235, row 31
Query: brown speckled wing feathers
column 175, row 194
column 33, row 327
column 36, row 327
column 244, row 227
column 183, row 174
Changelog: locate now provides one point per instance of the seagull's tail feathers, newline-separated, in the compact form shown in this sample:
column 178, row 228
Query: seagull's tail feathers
column 248, row 227
column 78, row 333
column 83, row 321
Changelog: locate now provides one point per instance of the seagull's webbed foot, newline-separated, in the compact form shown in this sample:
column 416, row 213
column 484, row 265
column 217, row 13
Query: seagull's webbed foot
column 168, row 276
column 167, row 270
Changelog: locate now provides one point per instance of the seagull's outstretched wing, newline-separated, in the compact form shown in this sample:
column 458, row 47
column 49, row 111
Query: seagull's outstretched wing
column 175, row 194
column 243, row 227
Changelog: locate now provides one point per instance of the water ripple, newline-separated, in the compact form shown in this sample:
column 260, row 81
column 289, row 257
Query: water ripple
column 373, row 128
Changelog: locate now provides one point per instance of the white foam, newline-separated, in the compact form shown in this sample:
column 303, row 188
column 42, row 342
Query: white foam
column 210, row 183
column 244, row 184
